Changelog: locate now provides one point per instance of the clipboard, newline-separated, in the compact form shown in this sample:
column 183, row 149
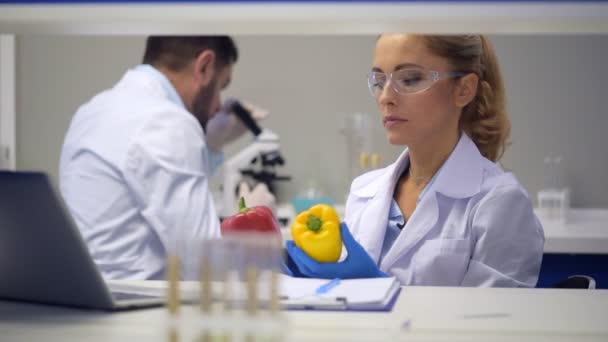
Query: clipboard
column 373, row 294
column 338, row 303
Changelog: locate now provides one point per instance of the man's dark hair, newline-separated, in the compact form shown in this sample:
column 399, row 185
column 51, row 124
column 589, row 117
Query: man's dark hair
column 176, row 52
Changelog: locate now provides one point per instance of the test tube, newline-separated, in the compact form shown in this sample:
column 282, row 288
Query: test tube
column 269, row 249
column 206, row 278
column 173, row 266
column 252, row 289
column 274, row 278
column 375, row 160
column 235, row 254
column 256, row 257
column 252, row 267
column 229, row 258
column 363, row 160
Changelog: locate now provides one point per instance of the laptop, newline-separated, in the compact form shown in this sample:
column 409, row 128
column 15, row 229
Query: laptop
column 43, row 258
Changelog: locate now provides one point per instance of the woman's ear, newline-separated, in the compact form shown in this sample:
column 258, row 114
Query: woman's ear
column 204, row 67
column 466, row 89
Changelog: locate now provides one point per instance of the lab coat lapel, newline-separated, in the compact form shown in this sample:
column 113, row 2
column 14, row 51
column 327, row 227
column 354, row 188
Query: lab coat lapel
column 416, row 228
column 459, row 177
column 374, row 215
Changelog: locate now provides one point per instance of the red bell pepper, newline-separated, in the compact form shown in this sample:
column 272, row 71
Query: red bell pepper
column 257, row 219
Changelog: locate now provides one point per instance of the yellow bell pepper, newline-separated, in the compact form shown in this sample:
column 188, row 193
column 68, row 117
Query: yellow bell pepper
column 317, row 232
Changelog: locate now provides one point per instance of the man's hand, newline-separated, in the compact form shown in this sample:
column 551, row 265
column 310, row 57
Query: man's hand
column 260, row 195
column 224, row 127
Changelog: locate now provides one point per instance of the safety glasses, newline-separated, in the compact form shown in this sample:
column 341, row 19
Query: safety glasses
column 407, row 81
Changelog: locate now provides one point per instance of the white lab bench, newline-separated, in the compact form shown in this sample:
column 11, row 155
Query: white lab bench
column 585, row 232
column 420, row 314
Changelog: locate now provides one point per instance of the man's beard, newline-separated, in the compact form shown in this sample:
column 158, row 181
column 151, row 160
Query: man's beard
column 201, row 109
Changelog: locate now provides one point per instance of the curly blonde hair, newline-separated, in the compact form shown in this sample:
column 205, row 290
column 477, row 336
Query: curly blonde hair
column 485, row 118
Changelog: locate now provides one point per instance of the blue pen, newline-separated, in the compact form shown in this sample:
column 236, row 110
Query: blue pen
column 327, row 286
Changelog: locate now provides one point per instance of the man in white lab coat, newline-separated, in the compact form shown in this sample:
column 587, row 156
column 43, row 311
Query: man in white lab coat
column 136, row 163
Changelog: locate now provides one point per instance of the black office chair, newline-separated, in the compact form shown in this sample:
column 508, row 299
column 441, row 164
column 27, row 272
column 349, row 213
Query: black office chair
column 576, row 282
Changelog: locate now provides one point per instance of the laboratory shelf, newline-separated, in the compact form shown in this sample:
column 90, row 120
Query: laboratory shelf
column 307, row 17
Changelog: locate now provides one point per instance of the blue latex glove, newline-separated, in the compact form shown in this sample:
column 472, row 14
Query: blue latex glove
column 289, row 268
column 358, row 264
column 286, row 270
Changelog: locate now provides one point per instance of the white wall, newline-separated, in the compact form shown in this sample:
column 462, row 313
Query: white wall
column 557, row 95
column 555, row 89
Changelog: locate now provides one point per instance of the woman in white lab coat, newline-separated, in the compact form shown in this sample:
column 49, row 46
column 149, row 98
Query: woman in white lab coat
column 443, row 214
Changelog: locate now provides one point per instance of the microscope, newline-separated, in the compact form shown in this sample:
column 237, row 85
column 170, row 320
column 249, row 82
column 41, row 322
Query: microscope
column 257, row 161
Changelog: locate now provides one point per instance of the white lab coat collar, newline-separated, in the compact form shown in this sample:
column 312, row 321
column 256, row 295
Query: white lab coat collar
column 142, row 80
column 459, row 177
column 462, row 173
column 385, row 178
column 377, row 194
column 167, row 86
column 464, row 165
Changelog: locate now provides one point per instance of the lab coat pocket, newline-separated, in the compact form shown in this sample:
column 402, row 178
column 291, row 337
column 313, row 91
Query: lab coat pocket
column 441, row 262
